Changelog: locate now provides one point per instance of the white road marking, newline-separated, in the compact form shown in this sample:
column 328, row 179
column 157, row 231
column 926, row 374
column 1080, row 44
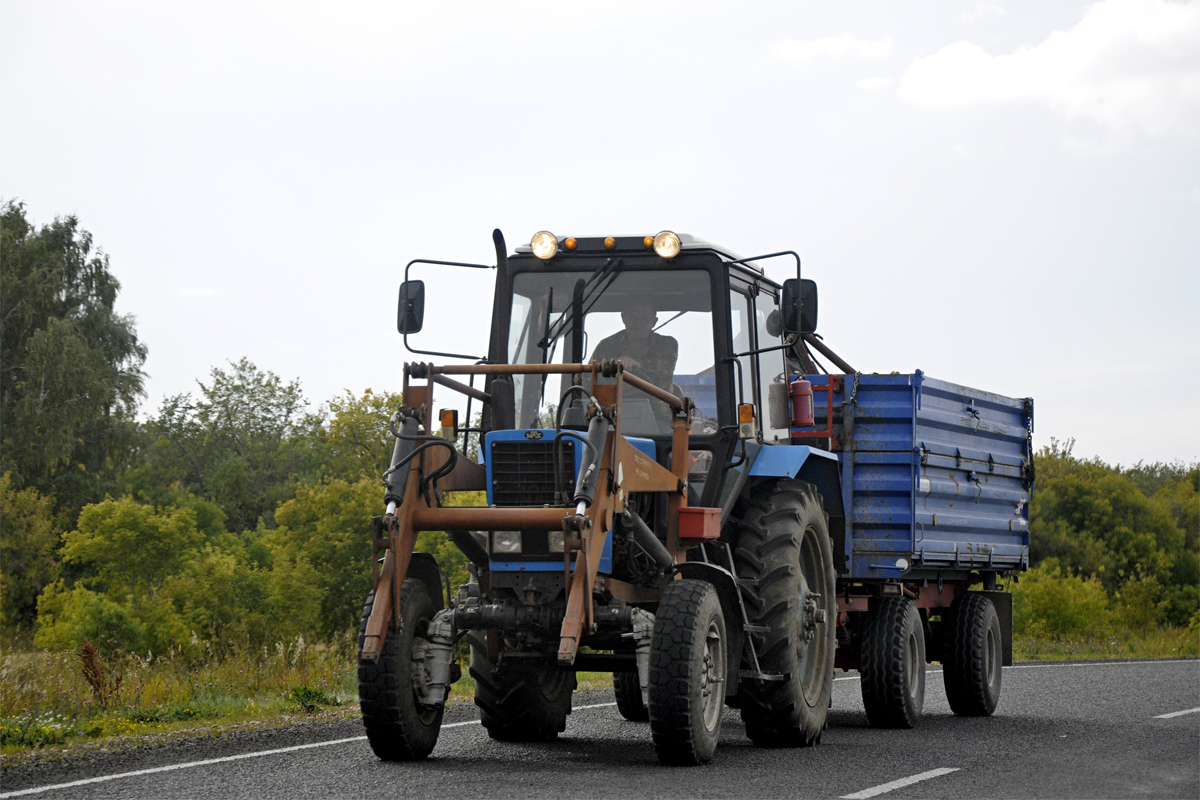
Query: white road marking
column 186, row 765
column 1106, row 663
column 900, row 783
column 1178, row 713
column 593, row 705
column 935, row 671
column 206, row 762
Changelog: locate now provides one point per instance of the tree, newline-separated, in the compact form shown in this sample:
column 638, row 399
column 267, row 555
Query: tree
column 127, row 553
column 130, row 549
column 359, row 444
column 244, row 444
column 27, row 553
column 328, row 528
column 70, row 366
column 1136, row 530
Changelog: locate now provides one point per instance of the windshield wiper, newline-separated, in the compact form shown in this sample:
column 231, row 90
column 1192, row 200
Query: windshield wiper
column 544, row 342
column 662, row 325
column 595, row 286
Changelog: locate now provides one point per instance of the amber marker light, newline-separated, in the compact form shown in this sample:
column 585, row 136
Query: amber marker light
column 448, row 417
column 571, row 243
column 648, row 241
column 746, row 421
column 610, row 242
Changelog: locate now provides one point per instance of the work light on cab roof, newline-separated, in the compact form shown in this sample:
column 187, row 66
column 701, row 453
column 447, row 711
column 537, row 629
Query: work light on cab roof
column 667, row 244
column 544, row 245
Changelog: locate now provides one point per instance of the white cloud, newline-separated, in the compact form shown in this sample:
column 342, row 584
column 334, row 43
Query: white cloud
column 980, row 11
column 831, row 47
column 1129, row 65
column 875, row 84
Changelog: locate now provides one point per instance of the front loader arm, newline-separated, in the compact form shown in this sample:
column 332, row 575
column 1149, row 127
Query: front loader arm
column 620, row 470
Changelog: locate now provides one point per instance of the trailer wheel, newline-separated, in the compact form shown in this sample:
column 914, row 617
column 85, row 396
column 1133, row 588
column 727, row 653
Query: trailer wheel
column 892, row 664
column 972, row 653
column 688, row 663
column 398, row 727
column 629, row 697
column 785, row 550
column 520, row 705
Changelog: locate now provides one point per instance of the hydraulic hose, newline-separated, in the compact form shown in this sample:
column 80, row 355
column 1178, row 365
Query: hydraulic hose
column 396, row 478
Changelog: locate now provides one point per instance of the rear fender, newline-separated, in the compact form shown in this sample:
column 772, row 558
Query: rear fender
column 818, row 467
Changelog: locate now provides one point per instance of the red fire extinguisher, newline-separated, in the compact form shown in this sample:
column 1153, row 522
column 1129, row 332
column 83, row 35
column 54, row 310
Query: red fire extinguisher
column 802, row 403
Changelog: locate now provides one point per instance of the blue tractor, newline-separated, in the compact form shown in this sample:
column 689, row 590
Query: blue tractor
column 686, row 487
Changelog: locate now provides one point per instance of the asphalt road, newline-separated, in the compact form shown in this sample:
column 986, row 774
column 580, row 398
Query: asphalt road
column 1094, row 729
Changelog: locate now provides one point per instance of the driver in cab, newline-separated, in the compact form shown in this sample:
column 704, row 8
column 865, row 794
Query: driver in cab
column 648, row 355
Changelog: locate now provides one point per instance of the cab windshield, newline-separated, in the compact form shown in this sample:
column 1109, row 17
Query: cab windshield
column 659, row 324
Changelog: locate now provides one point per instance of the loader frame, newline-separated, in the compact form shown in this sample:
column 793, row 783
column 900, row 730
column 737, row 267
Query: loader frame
column 623, row 470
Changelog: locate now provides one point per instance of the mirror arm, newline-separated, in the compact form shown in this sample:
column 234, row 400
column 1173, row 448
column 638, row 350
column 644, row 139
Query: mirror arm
column 407, row 267
column 791, row 340
column 791, row 253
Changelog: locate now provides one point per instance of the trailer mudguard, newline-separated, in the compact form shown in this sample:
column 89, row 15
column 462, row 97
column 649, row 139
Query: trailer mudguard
column 818, row 467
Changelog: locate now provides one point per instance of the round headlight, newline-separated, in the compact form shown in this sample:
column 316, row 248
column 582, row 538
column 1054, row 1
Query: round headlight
column 544, row 244
column 667, row 244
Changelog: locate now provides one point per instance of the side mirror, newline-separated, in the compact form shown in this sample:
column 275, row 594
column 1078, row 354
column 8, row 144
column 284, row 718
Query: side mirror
column 799, row 306
column 410, row 312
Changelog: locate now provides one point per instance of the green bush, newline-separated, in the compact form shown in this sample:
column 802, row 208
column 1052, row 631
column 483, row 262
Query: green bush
column 1050, row 602
column 1140, row 603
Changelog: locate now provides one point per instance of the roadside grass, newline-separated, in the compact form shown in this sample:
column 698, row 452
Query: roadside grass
column 47, row 703
column 51, row 698
column 1127, row 643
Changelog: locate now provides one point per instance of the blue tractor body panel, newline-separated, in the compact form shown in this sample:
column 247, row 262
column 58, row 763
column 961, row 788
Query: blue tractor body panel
column 528, row 459
column 934, row 476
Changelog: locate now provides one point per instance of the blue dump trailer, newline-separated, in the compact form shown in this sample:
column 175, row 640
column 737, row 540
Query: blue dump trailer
column 935, row 477
column 678, row 482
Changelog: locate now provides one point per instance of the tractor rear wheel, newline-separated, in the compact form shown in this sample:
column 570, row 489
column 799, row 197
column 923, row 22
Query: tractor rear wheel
column 520, row 705
column 785, row 552
column 892, row 664
column 629, row 697
column 688, row 663
column 399, row 728
column 973, row 656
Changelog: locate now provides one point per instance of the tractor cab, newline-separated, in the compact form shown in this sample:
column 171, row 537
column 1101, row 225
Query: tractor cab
column 688, row 316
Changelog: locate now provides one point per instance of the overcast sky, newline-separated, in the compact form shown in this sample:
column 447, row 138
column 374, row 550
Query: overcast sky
column 1004, row 195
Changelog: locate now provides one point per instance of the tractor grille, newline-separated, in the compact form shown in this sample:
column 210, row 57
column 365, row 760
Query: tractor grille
column 523, row 473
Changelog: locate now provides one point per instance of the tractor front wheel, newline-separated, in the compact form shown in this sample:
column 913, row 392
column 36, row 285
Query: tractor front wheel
column 688, row 663
column 399, row 727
